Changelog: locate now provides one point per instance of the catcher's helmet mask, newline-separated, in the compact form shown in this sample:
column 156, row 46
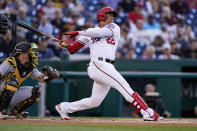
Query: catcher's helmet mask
column 31, row 48
column 101, row 15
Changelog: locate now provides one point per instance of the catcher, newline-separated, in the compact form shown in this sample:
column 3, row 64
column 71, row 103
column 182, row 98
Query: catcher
column 13, row 71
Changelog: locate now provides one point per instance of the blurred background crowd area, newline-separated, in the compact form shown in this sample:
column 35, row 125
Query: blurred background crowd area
column 150, row 29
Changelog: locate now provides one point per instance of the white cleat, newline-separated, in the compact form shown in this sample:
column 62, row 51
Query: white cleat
column 148, row 118
column 160, row 119
column 150, row 115
column 154, row 117
column 64, row 116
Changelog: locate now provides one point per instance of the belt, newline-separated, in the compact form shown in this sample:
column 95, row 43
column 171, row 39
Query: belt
column 106, row 60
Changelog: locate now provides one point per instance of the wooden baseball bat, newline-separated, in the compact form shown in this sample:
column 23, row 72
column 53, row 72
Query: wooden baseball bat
column 21, row 24
column 65, row 33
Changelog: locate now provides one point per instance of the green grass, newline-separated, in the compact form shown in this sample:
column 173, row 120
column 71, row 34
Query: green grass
column 11, row 127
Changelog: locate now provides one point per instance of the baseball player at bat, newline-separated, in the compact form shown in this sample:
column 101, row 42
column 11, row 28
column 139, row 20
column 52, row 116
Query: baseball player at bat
column 103, row 42
column 13, row 71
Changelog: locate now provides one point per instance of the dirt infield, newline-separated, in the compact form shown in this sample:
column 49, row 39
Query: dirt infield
column 101, row 121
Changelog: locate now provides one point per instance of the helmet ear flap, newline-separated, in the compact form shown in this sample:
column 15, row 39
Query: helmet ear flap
column 102, row 17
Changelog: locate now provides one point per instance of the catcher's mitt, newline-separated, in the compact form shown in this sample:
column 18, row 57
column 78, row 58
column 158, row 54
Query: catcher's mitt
column 4, row 24
column 50, row 73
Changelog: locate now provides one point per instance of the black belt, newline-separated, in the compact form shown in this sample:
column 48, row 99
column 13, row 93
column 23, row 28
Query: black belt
column 106, row 60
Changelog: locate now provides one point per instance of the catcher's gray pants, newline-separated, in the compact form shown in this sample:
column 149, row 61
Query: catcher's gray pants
column 21, row 94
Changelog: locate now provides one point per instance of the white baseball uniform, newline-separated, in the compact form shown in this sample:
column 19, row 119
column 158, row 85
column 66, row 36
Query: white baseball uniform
column 103, row 43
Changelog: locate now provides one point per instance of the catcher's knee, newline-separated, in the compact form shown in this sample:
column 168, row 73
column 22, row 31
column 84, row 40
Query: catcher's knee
column 5, row 98
column 7, row 92
column 36, row 93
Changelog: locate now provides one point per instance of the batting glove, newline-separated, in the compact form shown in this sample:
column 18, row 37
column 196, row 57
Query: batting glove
column 64, row 44
column 72, row 34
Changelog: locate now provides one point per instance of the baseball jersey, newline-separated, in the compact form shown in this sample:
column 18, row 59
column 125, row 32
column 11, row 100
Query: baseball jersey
column 103, row 41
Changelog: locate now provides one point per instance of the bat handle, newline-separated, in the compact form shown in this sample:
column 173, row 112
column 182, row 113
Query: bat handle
column 56, row 39
column 65, row 33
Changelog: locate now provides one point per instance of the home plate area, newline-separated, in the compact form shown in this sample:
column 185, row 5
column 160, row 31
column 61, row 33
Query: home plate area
column 99, row 121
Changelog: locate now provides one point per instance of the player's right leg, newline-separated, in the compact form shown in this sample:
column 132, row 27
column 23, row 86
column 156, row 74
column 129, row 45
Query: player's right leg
column 107, row 74
column 99, row 91
column 147, row 113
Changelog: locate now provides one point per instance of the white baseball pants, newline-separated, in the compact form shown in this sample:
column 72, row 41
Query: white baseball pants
column 105, row 76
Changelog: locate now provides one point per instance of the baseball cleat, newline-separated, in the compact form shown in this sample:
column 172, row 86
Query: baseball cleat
column 150, row 115
column 22, row 115
column 63, row 115
column 8, row 115
column 158, row 117
column 155, row 117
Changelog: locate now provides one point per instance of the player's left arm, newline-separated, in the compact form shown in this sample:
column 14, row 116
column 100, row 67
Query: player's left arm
column 97, row 32
column 106, row 31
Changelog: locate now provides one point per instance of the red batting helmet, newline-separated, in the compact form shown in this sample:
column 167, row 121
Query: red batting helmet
column 101, row 15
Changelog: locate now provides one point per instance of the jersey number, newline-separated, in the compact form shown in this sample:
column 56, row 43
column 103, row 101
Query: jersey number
column 110, row 40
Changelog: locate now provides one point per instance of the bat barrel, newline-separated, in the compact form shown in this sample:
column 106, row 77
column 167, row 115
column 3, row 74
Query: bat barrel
column 21, row 24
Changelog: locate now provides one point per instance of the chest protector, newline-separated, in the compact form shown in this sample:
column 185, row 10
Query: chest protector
column 20, row 72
